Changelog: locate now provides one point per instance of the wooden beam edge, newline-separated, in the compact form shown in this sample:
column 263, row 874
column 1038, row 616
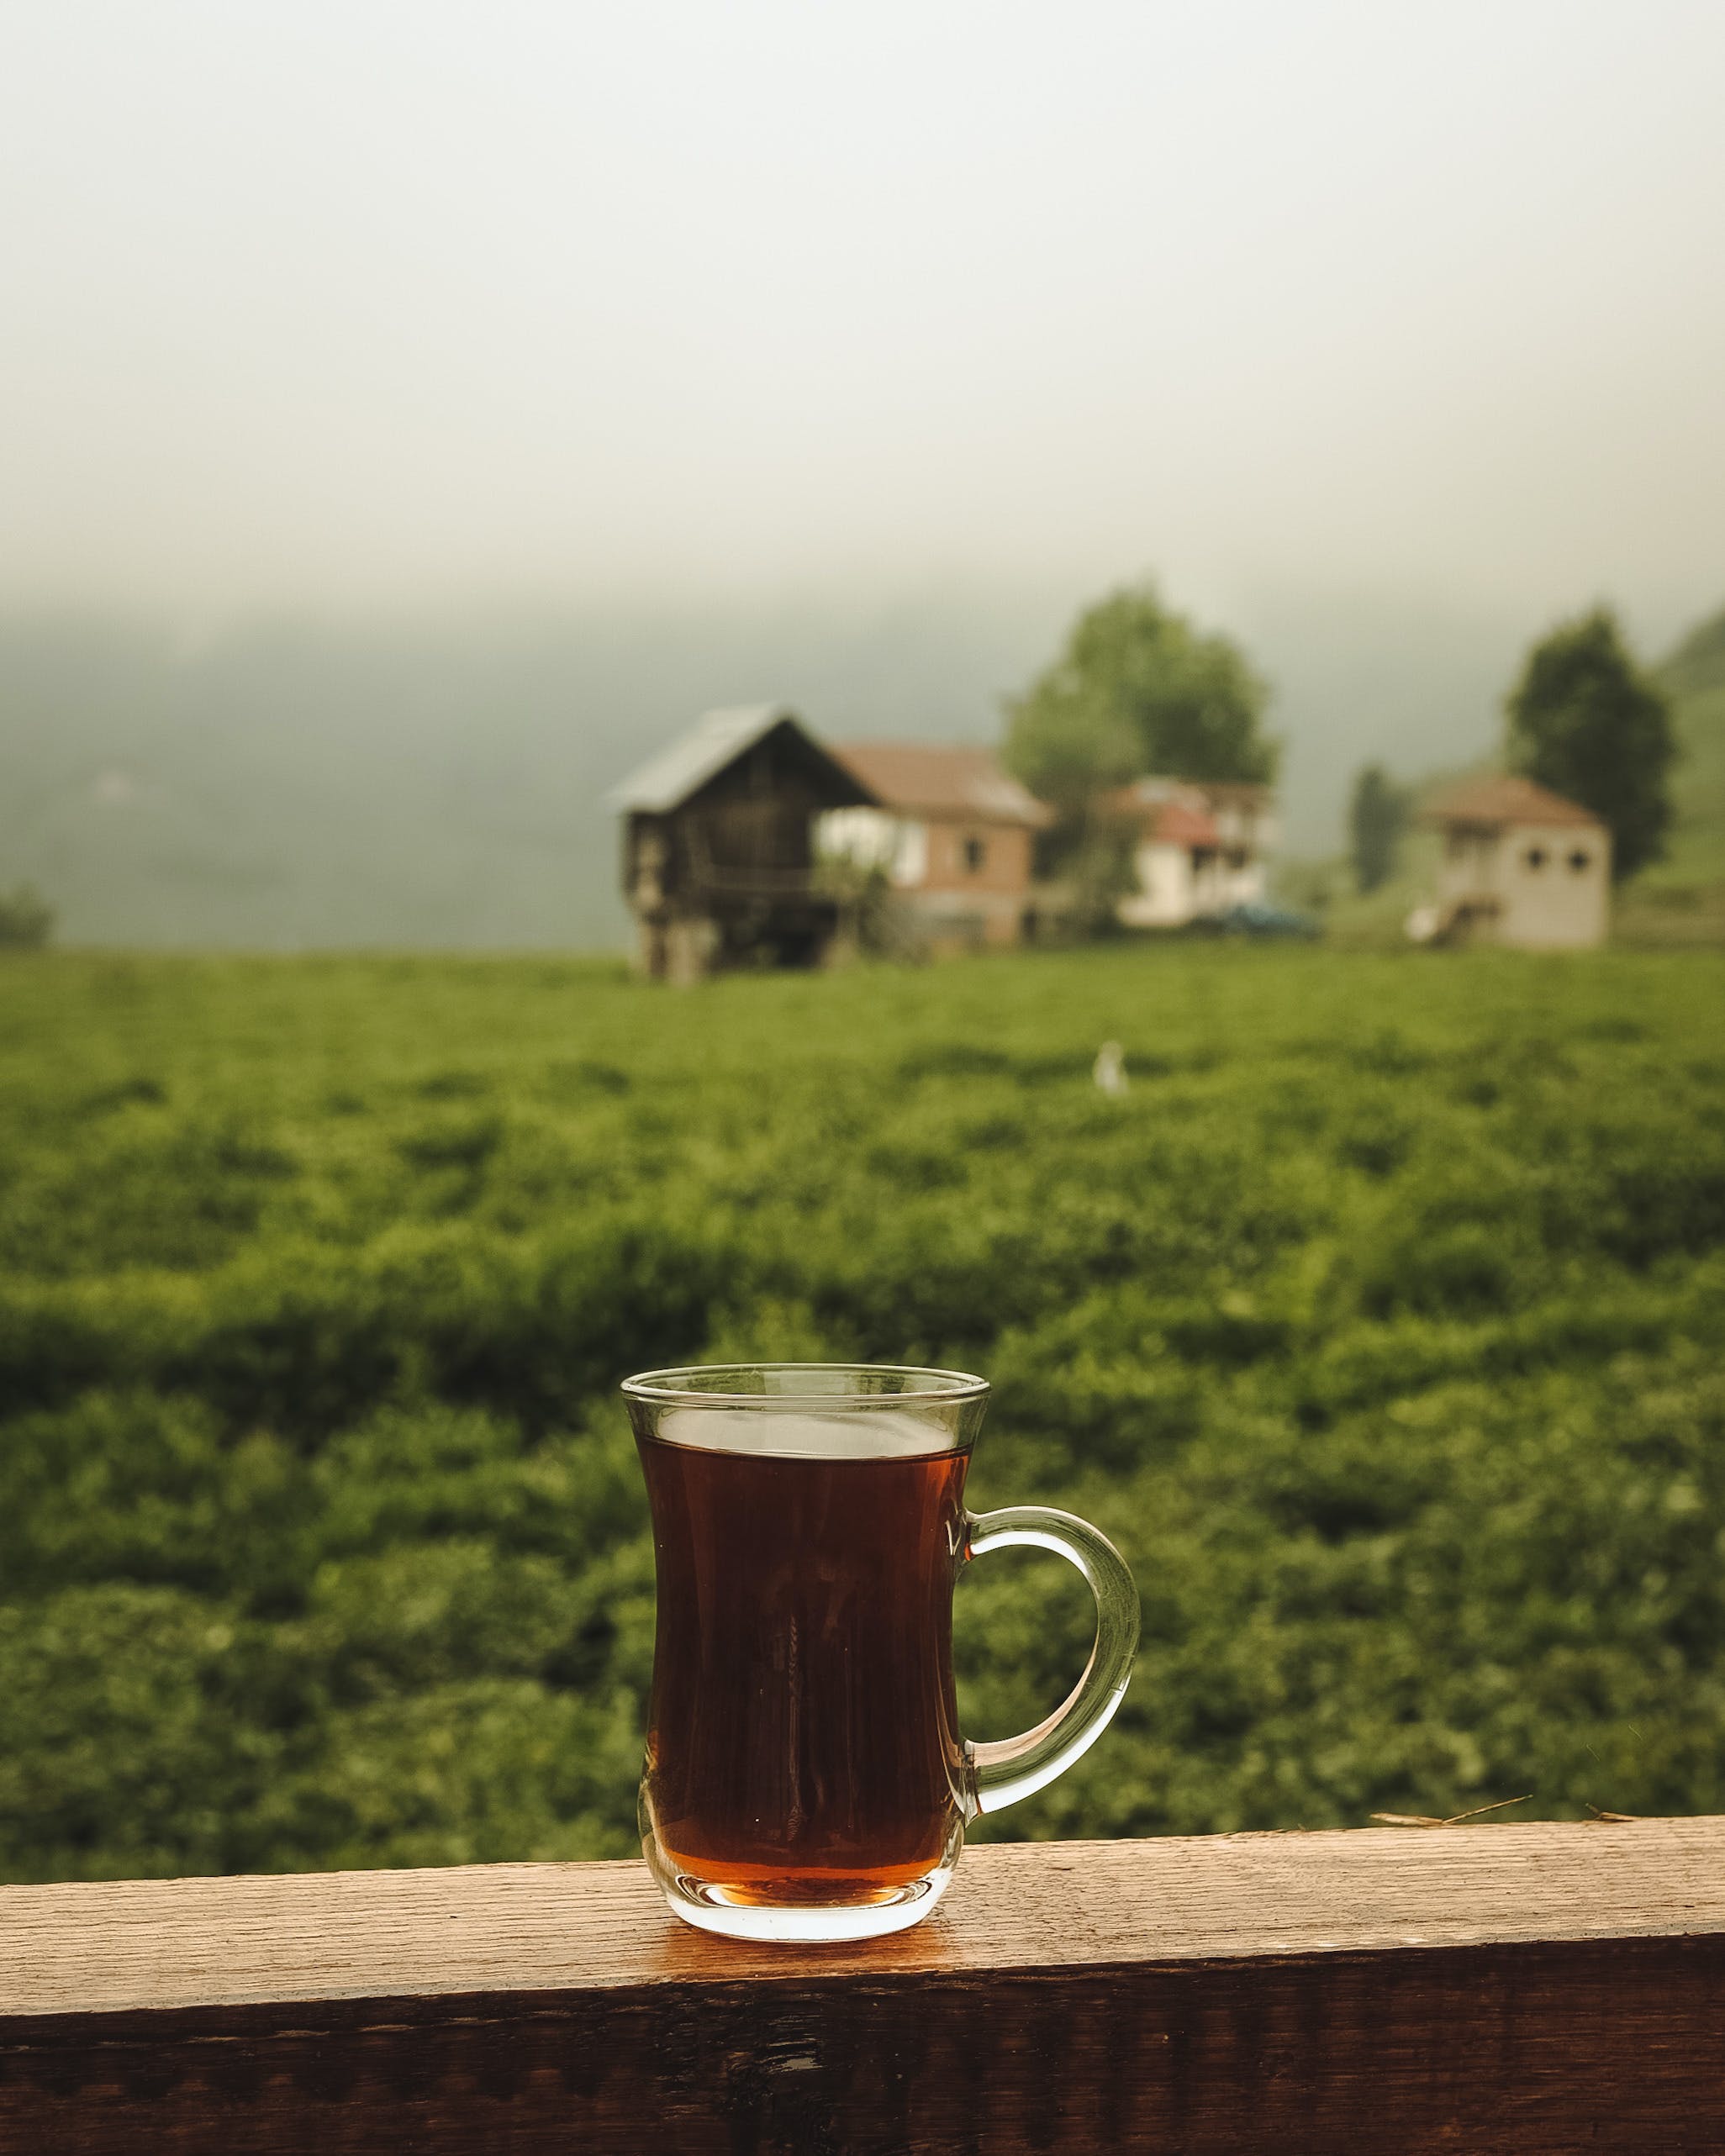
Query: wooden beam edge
column 439, row 1941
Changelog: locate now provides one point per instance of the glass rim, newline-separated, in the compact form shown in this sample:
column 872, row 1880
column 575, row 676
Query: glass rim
column 663, row 1387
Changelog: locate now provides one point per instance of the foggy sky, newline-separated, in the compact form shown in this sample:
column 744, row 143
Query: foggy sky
column 357, row 303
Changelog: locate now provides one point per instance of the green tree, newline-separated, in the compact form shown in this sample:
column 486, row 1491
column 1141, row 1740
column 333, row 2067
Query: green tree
column 1137, row 689
column 26, row 918
column 1377, row 817
column 1586, row 722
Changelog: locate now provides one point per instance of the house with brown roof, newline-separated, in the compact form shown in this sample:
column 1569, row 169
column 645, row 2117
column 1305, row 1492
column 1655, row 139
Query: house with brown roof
column 1198, row 847
column 1520, row 865
column 953, row 833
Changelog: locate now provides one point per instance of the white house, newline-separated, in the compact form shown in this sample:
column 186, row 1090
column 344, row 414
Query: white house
column 1520, row 865
column 1198, row 847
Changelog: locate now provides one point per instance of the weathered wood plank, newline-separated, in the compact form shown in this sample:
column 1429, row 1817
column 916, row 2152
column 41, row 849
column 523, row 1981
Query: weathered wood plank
column 1484, row 1988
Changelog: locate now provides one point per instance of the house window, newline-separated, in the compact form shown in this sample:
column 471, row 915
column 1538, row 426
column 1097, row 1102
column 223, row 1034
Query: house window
column 975, row 853
column 1536, row 856
column 1579, row 860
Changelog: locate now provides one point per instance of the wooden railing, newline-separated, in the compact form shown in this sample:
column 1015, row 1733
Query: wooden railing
column 1481, row 1989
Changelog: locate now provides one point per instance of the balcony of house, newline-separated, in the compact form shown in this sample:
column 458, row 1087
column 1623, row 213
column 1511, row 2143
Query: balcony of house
column 748, row 849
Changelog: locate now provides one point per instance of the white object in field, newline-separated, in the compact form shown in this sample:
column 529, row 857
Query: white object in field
column 1422, row 924
column 1109, row 1069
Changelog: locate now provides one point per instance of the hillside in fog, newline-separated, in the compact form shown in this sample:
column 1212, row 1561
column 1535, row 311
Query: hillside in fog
column 405, row 784
column 441, row 782
column 1695, row 677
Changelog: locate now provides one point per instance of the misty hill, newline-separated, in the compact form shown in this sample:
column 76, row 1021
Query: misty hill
column 409, row 783
column 1695, row 674
column 442, row 783
column 1681, row 900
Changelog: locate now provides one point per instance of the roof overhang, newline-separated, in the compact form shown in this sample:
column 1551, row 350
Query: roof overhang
column 683, row 767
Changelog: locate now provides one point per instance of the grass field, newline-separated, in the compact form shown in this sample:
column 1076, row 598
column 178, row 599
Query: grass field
column 1379, row 1323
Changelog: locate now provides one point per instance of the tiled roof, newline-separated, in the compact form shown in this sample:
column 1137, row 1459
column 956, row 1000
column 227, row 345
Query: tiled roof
column 1168, row 810
column 1174, row 824
column 1497, row 801
column 942, row 782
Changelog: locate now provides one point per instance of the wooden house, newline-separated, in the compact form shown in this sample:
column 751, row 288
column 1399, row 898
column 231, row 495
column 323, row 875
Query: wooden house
column 718, row 861
column 953, row 833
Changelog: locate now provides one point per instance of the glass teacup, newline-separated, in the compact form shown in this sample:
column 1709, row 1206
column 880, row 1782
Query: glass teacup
column 806, row 1777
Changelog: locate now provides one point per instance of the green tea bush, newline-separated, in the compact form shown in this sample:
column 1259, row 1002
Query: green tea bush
column 1378, row 1322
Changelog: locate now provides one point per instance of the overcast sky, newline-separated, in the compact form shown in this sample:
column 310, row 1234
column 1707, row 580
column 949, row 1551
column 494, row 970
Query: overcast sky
column 343, row 302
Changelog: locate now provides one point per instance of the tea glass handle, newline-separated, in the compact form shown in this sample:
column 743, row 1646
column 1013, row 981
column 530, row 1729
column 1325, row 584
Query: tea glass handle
column 1019, row 1766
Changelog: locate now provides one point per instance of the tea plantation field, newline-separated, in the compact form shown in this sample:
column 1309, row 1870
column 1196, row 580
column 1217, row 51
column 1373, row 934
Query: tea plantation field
column 1379, row 1323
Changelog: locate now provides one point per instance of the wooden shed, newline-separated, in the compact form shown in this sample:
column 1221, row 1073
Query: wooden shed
column 719, row 858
